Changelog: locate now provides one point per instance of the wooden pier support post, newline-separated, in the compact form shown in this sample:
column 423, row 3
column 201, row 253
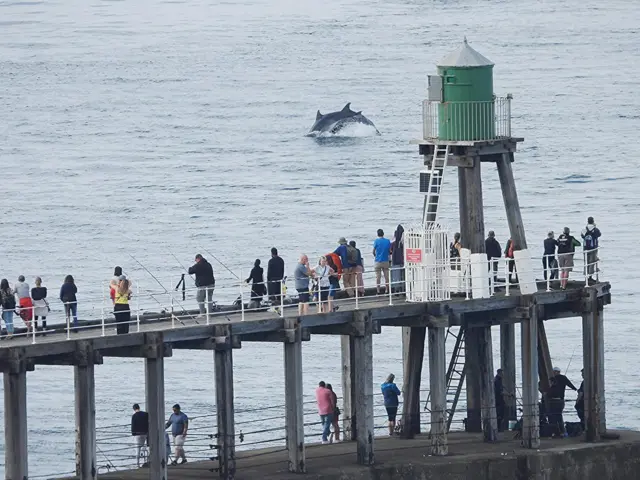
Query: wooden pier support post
column 348, row 418
column 472, row 233
column 223, row 359
column 406, row 337
column 593, row 358
column 15, row 423
column 438, row 386
column 85, row 412
column 508, row 366
column 411, row 406
column 516, row 229
column 294, row 416
column 154, row 392
column 362, row 371
column 530, row 411
column 480, row 344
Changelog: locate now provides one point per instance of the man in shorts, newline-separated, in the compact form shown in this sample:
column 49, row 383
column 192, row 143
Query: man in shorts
column 179, row 424
column 381, row 251
column 302, row 274
column 139, row 429
column 567, row 244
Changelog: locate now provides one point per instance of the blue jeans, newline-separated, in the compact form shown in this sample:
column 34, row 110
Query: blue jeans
column 7, row 316
column 327, row 421
column 71, row 308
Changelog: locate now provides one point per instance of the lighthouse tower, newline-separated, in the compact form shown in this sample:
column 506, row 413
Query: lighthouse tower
column 466, row 126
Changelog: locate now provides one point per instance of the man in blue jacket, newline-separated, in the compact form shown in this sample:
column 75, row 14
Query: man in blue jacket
column 391, row 392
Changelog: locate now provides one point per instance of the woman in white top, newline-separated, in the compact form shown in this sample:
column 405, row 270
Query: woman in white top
column 322, row 273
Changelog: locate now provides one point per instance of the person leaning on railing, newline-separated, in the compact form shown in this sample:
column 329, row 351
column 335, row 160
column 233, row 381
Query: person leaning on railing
column 567, row 244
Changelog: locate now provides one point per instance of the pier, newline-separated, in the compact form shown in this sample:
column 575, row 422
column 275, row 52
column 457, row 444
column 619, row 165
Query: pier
column 441, row 298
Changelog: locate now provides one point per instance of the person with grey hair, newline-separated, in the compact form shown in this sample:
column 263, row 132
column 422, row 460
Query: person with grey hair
column 391, row 392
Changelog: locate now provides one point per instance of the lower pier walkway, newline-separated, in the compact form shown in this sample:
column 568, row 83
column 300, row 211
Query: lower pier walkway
column 396, row 458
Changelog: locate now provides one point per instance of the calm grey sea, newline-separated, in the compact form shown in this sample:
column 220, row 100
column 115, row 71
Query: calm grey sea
column 155, row 128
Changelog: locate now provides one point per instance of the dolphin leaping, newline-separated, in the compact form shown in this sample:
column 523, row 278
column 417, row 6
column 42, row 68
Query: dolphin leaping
column 335, row 121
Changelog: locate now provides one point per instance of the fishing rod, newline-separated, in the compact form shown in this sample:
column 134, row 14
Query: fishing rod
column 566, row 370
column 165, row 290
column 220, row 262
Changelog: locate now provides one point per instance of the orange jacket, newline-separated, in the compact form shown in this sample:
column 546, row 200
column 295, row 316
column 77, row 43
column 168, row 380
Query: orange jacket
column 336, row 259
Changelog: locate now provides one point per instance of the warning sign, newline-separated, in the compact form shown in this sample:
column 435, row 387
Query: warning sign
column 413, row 255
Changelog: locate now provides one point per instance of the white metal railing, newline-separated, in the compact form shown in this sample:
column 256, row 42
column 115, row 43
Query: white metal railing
column 147, row 306
column 467, row 121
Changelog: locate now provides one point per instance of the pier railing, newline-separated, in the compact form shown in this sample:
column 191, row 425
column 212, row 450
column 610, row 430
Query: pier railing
column 467, row 121
column 232, row 300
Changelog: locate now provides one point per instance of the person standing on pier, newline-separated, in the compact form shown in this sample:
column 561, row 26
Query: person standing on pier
column 391, row 392
column 121, row 308
column 8, row 301
column 23, row 294
column 549, row 261
column 179, row 424
column 359, row 269
column 326, row 409
column 139, row 429
column 275, row 274
column 590, row 235
column 335, row 436
column 113, row 284
column 567, row 244
column 257, row 286
column 580, row 401
column 494, row 250
column 397, row 260
column 381, row 256
column 68, row 292
column 205, row 281
column 333, row 260
column 41, row 306
column 323, row 273
column 349, row 258
column 454, row 252
column 509, row 253
column 559, row 383
column 302, row 274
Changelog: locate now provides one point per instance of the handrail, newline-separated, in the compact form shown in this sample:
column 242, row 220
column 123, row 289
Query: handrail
column 149, row 305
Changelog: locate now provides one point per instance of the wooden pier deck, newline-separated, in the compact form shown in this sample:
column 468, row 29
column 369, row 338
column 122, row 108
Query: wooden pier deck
column 469, row 457
column 159, row 336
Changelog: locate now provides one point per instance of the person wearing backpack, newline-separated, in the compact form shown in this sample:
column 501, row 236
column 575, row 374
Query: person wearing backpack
column 349, row 258
column 567, row 244
column 8, row 301
column 590, row 235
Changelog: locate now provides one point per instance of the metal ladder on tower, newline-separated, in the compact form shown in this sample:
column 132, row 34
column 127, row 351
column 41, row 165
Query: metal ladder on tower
column 435, row 173
column 455, row 373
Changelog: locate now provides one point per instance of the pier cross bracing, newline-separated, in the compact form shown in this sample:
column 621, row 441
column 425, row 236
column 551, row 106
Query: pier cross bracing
column 463, row 134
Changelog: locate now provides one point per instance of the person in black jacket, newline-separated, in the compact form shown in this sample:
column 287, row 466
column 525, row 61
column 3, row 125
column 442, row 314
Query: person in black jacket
column 257, row 287
column 498, row 388
column 205, row 282
column 549, row 261
column 559, row 383
column 275, row 274
column 68, row 292
column 494, row 250
column 139, row 429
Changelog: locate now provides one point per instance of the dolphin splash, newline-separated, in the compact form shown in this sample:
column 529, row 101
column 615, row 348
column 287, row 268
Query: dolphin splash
column 333, row 122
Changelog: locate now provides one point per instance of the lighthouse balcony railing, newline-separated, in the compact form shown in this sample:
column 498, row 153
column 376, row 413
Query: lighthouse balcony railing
column 467, row 121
